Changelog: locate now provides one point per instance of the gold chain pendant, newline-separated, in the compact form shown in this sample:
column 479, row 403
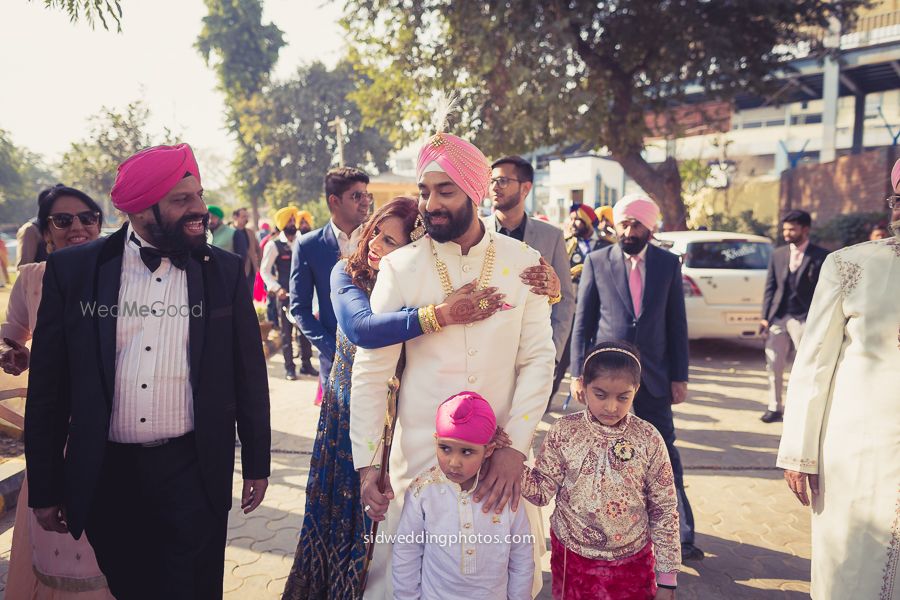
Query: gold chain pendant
column 487, row 269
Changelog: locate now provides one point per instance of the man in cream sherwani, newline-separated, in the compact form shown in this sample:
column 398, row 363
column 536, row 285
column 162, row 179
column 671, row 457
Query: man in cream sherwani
column 507, row 358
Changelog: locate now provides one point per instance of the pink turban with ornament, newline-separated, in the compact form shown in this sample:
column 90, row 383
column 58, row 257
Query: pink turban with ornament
column 895, row 176
column 638, row 207
column 467, row 417
column 146, row 177
column 465, row 164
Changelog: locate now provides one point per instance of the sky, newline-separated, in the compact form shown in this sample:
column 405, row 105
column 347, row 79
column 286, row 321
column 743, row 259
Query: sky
column 55, row 74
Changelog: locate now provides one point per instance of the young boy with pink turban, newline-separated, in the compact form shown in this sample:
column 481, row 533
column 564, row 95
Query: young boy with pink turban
column 446, row 546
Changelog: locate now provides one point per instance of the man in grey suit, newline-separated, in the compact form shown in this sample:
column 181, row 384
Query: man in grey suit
column 511, row 180
column 632, row 291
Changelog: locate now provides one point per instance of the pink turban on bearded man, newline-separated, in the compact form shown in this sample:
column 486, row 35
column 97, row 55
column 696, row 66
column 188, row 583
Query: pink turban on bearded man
column 465, row 164
column 146, row 177
column 638, row 207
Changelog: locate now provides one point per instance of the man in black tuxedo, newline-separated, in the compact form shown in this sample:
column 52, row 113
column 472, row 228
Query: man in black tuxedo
column 146, row 353
column 632, row 291
column 792, row 278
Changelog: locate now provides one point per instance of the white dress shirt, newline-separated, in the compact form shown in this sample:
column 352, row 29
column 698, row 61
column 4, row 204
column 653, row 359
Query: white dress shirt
column 347, row 243
column 447, row 547
column 797, row 253
column 267, row 264
column 153, row 398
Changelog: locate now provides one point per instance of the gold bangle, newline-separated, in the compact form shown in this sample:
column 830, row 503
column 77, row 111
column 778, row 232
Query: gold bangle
column 423, row 320
column 428, row 319
column 555, row 299
column 432, row 317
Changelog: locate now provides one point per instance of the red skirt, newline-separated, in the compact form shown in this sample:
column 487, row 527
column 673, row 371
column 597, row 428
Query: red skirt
column 576, row 577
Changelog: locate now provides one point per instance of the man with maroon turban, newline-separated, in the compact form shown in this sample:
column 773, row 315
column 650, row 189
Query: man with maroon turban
column 146, row 353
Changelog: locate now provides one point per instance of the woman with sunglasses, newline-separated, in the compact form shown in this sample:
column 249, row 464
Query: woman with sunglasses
column 45, row 564
column 332, row 547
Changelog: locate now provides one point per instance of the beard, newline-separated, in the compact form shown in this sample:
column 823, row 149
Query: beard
column 633, row 245
column 506, row 202
column 894, row 226
column 456, row 225
column 170, row 238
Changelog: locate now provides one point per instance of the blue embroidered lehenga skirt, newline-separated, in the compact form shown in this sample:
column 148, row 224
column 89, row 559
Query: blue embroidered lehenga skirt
column 331, row 549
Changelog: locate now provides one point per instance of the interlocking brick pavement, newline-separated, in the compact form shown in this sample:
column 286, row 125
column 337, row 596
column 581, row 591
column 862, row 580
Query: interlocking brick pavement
column 754, row 532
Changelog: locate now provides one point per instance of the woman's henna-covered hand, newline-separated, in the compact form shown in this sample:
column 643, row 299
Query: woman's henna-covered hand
column 542, row 279
column 468, row 305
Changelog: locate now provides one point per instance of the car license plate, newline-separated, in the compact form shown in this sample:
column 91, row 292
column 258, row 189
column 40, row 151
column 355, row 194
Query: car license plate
column 742, row 318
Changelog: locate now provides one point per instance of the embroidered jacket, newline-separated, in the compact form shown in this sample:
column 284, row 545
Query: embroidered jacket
column 614, row 490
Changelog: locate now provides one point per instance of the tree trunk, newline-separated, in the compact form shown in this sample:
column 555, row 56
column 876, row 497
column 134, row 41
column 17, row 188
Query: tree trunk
column 662, row 182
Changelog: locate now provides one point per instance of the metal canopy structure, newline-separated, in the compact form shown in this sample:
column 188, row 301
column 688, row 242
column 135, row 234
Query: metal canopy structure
column 863, row 71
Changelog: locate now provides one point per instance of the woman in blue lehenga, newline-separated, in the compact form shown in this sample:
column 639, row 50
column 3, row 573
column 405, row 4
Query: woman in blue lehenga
column 332, row 549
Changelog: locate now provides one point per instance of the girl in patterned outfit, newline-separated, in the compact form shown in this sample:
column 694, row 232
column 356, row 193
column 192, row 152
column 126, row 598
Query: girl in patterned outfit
column 614, row 532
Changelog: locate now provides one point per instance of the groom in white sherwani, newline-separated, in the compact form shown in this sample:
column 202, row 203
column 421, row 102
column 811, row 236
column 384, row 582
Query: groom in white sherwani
column 508, row 358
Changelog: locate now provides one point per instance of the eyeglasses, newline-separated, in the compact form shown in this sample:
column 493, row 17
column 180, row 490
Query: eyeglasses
column 502, row 182
column 65, row 220
column 358, row 196
column 892, row 201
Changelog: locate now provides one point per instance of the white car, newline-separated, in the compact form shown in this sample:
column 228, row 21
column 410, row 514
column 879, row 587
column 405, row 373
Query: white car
column 724, row 277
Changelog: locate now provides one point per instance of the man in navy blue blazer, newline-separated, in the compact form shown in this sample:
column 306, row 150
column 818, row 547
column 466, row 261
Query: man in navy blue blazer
column 316, row 253
column 632, row 291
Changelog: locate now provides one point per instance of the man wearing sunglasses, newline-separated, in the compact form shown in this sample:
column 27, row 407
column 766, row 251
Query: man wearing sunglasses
column 316, row 253
column 146, row 354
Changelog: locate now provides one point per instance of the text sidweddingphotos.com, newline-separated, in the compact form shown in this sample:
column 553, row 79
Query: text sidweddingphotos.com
column 448, row 539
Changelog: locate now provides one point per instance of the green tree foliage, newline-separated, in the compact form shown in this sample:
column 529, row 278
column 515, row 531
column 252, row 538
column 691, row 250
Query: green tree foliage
column 746, row 222
column 296, row 146
column 22, row 175
column 90, row 10
column 847, row 229
column 536, row 73
column 91, row 164
column 694, row 173
column 242, row 51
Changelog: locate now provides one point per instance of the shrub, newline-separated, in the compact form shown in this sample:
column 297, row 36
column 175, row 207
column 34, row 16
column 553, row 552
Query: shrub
column 847, row 229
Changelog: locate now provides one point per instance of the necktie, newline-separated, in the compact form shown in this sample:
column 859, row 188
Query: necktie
column 152, row 257
column 636, row 285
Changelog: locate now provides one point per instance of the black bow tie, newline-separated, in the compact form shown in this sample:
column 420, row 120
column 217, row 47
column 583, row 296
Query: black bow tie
column 152, row 257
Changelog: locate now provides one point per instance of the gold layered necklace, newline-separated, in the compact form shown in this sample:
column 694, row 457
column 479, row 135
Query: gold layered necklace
column 487, row 268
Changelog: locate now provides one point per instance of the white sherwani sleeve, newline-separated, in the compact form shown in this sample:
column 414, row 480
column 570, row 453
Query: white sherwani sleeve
column 812, row 375
column 371, row 371
column 407, row 564
column 535, row 362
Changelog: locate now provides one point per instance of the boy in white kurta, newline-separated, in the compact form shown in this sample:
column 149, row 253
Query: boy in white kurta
column 446, row 547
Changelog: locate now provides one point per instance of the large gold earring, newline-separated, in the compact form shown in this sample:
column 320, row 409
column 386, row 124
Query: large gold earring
column 50, row 247
column 419, row 230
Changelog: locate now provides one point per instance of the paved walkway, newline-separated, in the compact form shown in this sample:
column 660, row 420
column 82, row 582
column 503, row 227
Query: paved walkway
column 755, row 533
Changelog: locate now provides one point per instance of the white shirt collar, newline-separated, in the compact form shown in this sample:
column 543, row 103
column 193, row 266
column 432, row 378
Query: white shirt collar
column 338, row 233
column 476, row 250
column 801, row 248
column 143, row 243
